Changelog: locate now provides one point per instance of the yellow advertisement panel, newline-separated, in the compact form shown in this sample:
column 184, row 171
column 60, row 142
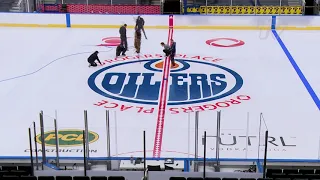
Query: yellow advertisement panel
column 215, row 9
column 192, row 10
column 268, row 10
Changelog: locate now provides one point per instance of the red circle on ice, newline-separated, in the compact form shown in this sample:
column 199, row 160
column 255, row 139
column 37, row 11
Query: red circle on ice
column 111, row 41
column 214, row 42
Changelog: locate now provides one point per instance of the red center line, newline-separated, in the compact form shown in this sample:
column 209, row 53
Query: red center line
column 163, row 98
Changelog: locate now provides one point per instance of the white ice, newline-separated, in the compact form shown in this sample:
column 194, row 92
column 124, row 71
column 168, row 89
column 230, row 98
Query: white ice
column 269, row 79
column 303, row 46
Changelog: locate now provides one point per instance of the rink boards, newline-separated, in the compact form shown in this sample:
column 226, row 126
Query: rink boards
column 240, row 73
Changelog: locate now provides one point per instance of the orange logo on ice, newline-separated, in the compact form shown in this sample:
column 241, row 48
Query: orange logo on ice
column 160, row 65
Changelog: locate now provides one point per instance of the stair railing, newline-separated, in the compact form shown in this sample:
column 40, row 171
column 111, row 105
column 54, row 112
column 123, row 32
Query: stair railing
column 21, row 6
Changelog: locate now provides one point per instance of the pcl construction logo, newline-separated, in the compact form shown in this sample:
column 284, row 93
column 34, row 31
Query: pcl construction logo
column 67, row 138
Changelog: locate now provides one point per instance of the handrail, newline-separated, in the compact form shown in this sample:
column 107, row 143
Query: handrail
column 20, row 6
column 19, row 2
column 24, row 6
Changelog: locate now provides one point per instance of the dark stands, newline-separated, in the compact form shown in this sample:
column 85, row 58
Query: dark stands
column 272, row 174
column 6, row 5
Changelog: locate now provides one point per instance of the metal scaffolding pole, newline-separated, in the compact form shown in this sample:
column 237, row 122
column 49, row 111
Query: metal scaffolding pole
column 35, row 144
column 43, row 143
column 57, row 142
column 218, row 141
column 196, row 138
column 204, row 154
column 86, row 128
column 31, row 155
column 108, row 139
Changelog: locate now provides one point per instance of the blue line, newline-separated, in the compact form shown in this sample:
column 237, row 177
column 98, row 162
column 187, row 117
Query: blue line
column 186, row 166
column 273, row 22
column 31, row 73
column 259, row 167
column 68, row 20
column 298, row 71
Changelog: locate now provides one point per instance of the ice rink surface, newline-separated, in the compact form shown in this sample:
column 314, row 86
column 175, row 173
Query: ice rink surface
column 46, row 69
column 301, row 46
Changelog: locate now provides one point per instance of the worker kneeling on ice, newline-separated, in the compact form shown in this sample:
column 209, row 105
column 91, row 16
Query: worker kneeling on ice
column 92, row 58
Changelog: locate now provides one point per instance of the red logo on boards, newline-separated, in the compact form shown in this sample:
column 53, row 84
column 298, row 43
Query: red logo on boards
column 234, row 42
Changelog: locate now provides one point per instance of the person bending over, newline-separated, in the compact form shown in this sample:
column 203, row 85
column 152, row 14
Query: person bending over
column 166, row 48
column 169, row 51
column 92, row 58
column 120, row 49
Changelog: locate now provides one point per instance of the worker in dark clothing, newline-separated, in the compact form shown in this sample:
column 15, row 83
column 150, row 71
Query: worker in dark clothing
column 92, row 58
column 170, row 51
column 173, row 52
column 120, row 49
column 123, row 36
column 140, row 25
column 166, row 49
column 137, row 41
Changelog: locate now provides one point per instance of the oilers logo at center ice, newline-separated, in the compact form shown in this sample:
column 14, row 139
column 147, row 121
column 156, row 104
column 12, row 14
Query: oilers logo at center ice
column 187, row 83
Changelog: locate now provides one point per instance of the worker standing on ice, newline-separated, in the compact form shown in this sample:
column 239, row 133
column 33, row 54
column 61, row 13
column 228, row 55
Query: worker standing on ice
column 137, row 40
column 173, row 52
column 123, row 36
column 140, row 25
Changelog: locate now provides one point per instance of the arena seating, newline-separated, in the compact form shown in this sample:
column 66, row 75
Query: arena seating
column 272, row 174
column 273, row 2
column 293, row 173
column 15, row 171
column 104, row 9
column 24, row 172
column 62, row 178
column 104, row 2
column 122, row 178
column 242, row 2
column 5, row 5
column 213, row 178
column 101, row 2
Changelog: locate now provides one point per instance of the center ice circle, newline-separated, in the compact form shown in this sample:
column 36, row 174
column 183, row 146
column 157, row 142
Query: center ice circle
column 190, row 82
